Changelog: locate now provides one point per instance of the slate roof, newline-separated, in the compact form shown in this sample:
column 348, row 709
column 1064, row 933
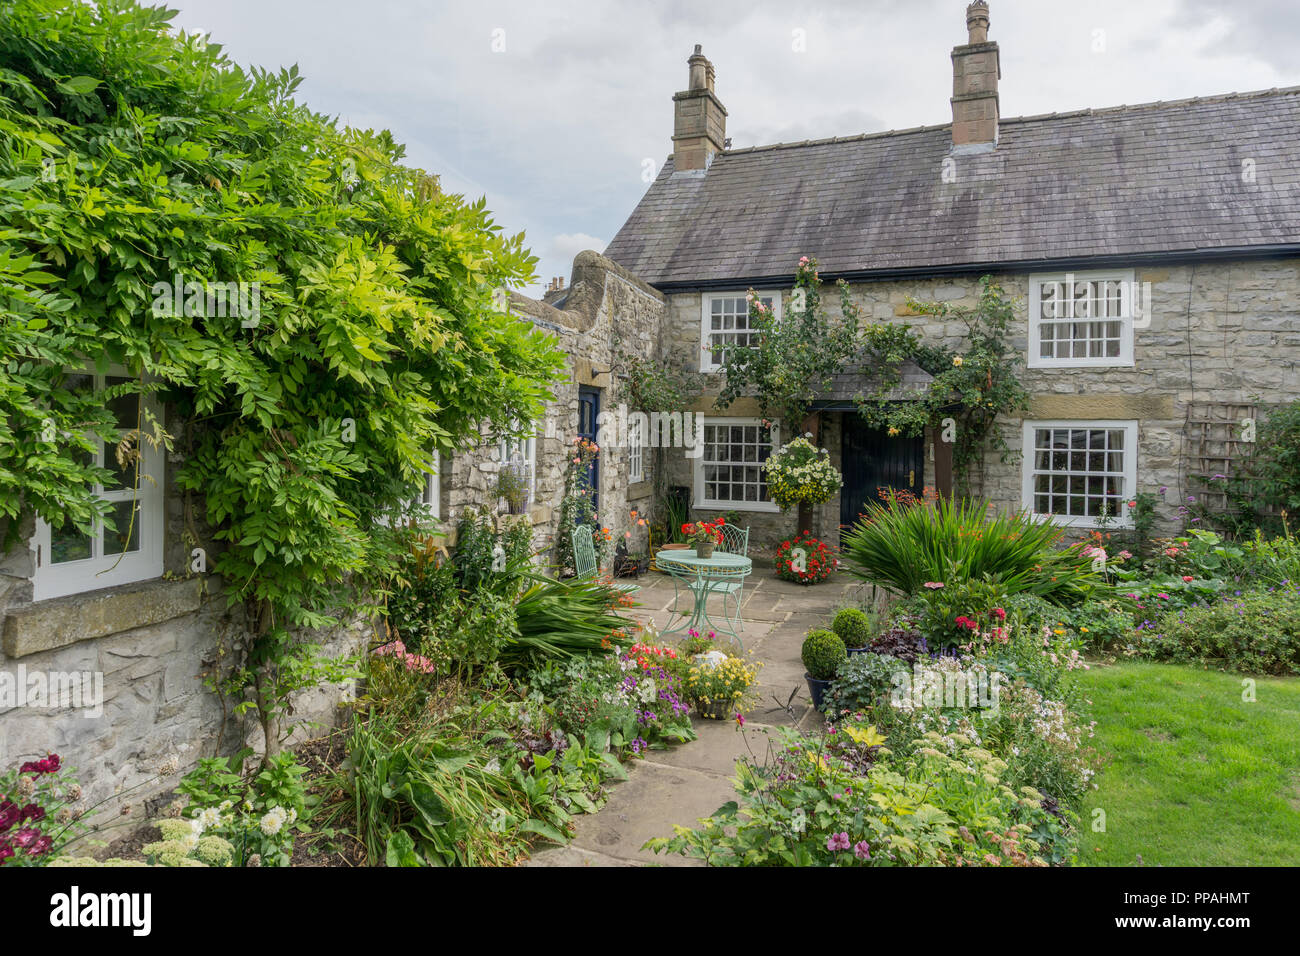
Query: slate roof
column 1124, row 181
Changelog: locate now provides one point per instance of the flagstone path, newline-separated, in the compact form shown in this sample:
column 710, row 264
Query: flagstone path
column 691, row 781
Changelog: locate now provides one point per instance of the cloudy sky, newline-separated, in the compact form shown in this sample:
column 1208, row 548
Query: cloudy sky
column 552, row 109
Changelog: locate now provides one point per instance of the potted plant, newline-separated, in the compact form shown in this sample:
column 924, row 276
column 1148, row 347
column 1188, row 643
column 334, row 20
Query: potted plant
column 703, row 536
column 823, row 652
column 719, row 685
column 855, row 628
column 512, row 488
column 805, row 559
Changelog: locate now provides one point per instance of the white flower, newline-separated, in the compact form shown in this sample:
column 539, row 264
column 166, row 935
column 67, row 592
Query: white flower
column 273, row 821
column 493, row 766
column 209, row 818
column 197, row 826
column 190, row 842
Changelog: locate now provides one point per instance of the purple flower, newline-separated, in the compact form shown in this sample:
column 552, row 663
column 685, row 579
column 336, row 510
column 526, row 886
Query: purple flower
column 837, row 841
column 862, row 850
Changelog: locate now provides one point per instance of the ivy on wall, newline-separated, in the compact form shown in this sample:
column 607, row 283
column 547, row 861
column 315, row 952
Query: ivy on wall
column 317, row 316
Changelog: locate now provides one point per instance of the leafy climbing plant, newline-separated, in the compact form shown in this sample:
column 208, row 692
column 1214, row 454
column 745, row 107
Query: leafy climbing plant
column 135, row 160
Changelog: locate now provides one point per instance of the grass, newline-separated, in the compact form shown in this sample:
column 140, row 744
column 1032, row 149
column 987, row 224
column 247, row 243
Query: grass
column 1192, row 774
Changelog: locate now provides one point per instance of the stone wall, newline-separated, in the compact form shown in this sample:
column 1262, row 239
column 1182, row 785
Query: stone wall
column 142, row 648
column 1219, row 333
column 603, row 318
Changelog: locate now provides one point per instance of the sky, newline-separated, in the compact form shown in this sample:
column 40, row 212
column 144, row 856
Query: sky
column 560, row 112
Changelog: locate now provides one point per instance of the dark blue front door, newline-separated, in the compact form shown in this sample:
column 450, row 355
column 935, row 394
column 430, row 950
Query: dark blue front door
column 588, row 410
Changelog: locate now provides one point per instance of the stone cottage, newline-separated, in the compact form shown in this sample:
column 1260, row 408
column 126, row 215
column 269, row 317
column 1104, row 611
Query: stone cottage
column 1154, row 251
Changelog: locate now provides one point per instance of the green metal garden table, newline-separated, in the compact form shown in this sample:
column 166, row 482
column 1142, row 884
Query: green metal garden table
column 722, row 573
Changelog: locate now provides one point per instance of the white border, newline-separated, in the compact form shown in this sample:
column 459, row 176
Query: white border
column 1125, row 277
column 700, row 500
column 92, row 574
column 1130, row 426
column 706, row 300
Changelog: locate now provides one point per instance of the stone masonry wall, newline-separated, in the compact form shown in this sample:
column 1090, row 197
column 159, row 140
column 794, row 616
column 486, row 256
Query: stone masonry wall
column 145, row 644
column 1219, row 332
column 606, row 316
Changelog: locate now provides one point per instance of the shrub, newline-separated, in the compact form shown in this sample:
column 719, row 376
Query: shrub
column 805, row 559
column 907, row 645
column 853, row 626
column 861, row 682
column 815, row 804
column 822, row 654
column 1257, row 632
column 904, row 547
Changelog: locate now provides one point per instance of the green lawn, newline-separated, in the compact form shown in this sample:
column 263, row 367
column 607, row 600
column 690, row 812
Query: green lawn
column 1192, row 774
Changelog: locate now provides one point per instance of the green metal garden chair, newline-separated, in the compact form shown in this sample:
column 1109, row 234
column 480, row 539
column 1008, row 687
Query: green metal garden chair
column 584, row 559
column 736, row 541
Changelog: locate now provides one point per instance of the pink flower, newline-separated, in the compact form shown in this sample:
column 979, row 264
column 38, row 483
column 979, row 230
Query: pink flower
column 837, row 841
column 1163, row 597
column 1187, row 577
column 740, row 720
column 1000, row 614
column 934, row 585
column 1126, row 555
column 862, row 850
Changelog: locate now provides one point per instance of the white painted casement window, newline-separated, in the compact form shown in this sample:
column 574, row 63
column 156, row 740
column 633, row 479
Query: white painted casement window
column 1081, row 320
column 1080, row 471
column 69, row 562
column 724, row 322
column 522, row 453
column 430, row 501
column 727, row 474
column 635, row 451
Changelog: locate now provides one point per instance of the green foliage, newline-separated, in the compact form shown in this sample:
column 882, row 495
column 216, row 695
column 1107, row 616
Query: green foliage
column 972, row 388
column 822, row 654
column 854, row 626
column 819, row 803
column 790, row 361
column 904, row 547
column 377, row 338
column 256, row 815
column 1255, row 633
column 1266, row 487
column 564, row 619
column 861, row 682
column 798, row 473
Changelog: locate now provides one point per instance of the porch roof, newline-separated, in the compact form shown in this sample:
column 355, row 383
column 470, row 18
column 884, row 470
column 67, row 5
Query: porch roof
column 858, row 378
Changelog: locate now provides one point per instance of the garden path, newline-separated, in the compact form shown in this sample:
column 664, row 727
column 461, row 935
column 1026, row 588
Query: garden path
column 680, row 785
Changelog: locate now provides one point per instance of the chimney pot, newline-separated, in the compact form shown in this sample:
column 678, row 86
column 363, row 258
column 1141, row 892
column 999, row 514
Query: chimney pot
column 977, row 22
column 699, row 118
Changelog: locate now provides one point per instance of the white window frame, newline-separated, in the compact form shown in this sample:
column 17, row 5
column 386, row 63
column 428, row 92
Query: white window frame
column 430, row 500
column 706, row 310
column 526, row 450
column 106, row 570
column 724, row 505
column 1029, row 470
column 1126, row 280
column 635, row 452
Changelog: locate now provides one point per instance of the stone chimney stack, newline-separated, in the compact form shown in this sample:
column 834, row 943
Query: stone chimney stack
column 975, row 74
column 699, row 118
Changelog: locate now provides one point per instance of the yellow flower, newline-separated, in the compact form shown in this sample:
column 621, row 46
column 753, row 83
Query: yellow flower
column 957, row 361
column 1058, row 631
column 892, row 431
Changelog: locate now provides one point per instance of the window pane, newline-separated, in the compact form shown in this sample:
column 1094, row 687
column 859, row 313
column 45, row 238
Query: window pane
column 126, row 409
column 68, row 544
column 127, row 535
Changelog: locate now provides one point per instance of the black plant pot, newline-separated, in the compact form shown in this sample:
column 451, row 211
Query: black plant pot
column 859, row 650
column 816, row 689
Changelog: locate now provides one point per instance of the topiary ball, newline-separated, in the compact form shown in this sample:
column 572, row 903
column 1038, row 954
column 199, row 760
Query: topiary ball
column 823, row 652
column 853, row 627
